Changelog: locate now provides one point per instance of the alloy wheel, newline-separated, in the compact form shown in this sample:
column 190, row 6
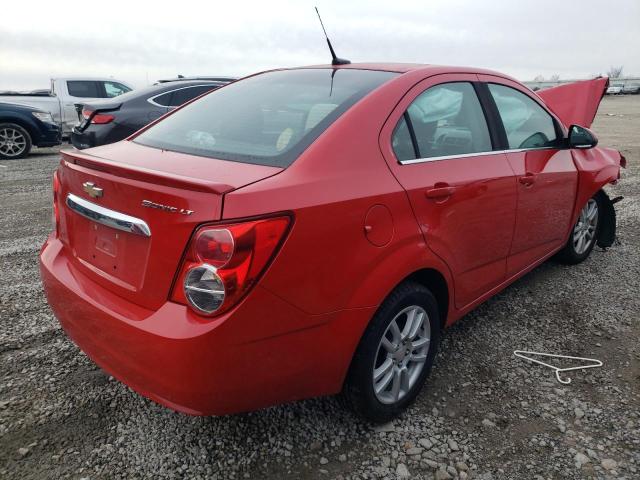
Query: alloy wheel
column 401, row 354
column 584, row 233
column 12, row 142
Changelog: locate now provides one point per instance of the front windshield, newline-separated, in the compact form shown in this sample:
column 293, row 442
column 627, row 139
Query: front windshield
column 268, row 119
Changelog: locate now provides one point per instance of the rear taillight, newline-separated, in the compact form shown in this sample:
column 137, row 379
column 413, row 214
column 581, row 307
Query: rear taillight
column 56, row 213
column 223, row 262
column 101, row 118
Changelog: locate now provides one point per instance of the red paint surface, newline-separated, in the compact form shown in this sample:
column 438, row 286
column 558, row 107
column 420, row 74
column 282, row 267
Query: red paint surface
column 293, row 335
column 576, row 103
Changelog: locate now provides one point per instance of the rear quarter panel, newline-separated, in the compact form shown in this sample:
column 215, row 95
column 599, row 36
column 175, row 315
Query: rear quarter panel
column 327, row 263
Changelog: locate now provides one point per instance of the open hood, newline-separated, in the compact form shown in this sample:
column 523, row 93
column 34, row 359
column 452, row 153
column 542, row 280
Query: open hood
column 577, row 102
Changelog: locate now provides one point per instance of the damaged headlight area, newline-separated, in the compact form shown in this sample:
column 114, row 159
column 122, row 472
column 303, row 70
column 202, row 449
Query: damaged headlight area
column 45, row 117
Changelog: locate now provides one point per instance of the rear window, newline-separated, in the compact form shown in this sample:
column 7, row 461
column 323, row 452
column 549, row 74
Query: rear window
column 269, row 119
column 83, row 89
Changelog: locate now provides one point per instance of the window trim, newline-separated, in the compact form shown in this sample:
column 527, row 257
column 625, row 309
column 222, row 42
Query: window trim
column 474, row 154
column 412, row 133
column 152, row 101
column 496, row 127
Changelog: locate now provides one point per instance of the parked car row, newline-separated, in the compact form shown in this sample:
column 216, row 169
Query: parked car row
column 623, row 88
column 111, row 120
column 90, row 112
column 60, row 100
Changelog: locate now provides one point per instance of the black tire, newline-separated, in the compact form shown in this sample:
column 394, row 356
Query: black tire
column 8, row 132
column 569, row 255
column 358, row 392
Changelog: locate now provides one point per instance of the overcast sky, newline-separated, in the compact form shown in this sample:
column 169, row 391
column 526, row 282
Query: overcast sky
column 140, row 42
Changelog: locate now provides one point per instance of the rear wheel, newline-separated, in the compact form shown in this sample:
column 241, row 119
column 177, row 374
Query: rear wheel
column 395, row 354
column 585, row 232
column 15, row 141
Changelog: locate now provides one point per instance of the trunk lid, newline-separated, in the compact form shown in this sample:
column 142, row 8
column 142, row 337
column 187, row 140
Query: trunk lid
column 171, row 193
column 86, row 111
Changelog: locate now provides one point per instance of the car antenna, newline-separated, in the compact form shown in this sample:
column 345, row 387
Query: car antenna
column 335, row 60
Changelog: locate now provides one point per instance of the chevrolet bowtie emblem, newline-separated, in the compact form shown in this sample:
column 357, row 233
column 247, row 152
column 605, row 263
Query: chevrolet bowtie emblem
column 92, row 189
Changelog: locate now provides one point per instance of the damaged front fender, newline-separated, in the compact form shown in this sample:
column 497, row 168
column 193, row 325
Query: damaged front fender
column 598, row 167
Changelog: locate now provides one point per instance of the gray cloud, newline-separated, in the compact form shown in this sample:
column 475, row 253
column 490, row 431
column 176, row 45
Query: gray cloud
column 134, row 42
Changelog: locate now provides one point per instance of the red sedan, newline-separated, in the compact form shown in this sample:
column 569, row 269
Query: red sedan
column 311, row 231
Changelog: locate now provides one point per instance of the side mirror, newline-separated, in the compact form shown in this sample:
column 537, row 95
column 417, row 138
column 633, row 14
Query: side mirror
column 581, row 137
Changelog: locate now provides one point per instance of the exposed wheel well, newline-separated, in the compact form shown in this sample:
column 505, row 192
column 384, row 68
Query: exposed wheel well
column 435, row 282
column 607, row 230
column 437, row 285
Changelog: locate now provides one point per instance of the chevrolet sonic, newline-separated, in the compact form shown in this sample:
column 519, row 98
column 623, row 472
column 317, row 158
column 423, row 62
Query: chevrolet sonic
column 311, row 231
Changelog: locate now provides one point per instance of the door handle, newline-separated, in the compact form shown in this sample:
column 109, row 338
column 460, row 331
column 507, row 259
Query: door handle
column 440, row 191
column 527, row 179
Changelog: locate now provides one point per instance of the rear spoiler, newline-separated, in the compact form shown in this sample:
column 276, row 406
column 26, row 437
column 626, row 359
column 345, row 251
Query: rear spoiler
column 576, row 103
column 143, row 174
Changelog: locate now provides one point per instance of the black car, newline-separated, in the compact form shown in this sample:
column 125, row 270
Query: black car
column 111, row 120
column 23, row 127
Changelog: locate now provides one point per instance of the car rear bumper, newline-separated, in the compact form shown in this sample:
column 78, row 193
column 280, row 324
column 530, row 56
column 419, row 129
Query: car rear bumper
column 261, row 353
column 82, row 140
column 48, row 135
column 96, row 135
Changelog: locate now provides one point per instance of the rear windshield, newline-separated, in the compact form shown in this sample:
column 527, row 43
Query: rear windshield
column 268, row 119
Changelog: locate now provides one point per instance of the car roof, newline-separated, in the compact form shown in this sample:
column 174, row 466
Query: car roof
column 159, row 88
column 91, row 79
column 186, row 82
column 380, row 66
column 209, row 78
column 409, row 67
column 405, row 68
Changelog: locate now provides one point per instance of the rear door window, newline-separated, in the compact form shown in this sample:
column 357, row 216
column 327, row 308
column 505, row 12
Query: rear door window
column 526, row 123
column 447, row 120
column 83, row 89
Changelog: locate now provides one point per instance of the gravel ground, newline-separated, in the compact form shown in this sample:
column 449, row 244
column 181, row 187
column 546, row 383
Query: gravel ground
column 484, row 414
